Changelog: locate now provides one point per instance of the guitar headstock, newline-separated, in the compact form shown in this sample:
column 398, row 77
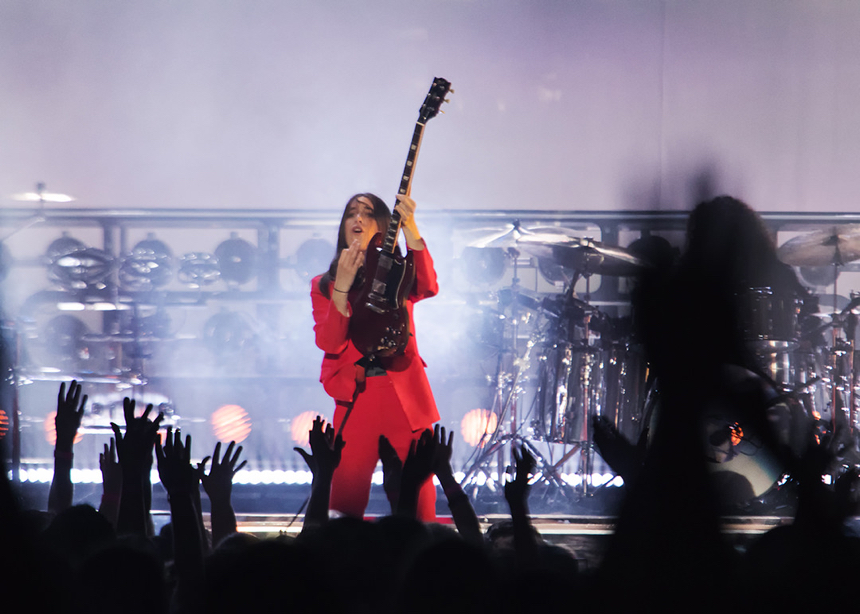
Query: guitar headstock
column 435, row 98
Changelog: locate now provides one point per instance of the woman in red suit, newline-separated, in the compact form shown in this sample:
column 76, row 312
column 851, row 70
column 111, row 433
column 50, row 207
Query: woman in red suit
column 392, row 396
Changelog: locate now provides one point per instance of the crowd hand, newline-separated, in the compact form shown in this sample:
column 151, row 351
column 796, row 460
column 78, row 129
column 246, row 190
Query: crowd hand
column 419, row 462
column 134, row 449
column 111, row 470
column 392, row 469
column 325, row 449
column 177, row 474
column 516, row 491
column 622, row 456
column 443, row 451
column 70, row 411
column 218, row 484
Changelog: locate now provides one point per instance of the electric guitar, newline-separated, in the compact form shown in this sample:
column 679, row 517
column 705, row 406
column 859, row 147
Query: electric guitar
column 379, row 325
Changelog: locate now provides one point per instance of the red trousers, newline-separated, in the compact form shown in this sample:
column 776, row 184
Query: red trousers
column 377, row 411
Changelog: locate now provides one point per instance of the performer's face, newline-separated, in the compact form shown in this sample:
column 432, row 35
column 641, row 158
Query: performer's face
column 360, row 223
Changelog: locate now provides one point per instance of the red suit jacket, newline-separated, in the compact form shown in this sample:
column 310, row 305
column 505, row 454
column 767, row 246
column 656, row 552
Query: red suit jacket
column 406, row 370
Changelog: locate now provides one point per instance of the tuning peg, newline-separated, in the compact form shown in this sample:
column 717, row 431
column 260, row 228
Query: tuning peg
column 451, row 90
column 446, row 100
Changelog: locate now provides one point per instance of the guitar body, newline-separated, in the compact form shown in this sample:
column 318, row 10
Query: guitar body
column 379, row 325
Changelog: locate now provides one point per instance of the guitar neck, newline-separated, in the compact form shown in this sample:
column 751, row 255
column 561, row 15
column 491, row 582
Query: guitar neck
column 390, row 240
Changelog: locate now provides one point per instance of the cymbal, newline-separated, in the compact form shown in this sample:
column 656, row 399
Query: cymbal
column 835, row 245
column 510, row 234
column 583, row 255
column 43, row 197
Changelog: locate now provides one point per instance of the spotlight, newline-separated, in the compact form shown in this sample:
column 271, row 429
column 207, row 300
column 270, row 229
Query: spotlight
column 4, row 424
column 199, row 269
column 227, row 332
column 477, row 425
column 237, row 259
column 148, row 266
column 313, row 257
column 231, row 423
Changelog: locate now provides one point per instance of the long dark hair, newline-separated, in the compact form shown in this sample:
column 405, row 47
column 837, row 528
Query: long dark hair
column 382, row 216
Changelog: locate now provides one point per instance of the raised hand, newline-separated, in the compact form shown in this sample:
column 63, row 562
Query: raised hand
column 175, row 470
column 325, row 449
column 392, row 470
column 134, row 449
column 219, row 483
column 70, row 411
column 111, row 471
column 417, row 469
column 418, row 466
column 516, row 491
column 111, row 482
column 443, row 452
column 322, row 461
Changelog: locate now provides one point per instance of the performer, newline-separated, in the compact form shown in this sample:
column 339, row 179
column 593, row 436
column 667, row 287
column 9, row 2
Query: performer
column 390, row 396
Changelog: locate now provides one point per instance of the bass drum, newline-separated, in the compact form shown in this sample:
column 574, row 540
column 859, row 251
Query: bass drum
column 743, row 465
column 576, row 382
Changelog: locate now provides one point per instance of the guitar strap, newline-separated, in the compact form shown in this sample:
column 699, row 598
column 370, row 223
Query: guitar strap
column 360, row 377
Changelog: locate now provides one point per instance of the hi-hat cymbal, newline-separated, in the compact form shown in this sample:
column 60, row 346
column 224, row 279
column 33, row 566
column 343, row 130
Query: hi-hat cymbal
column 582, row 255
column 835, row 245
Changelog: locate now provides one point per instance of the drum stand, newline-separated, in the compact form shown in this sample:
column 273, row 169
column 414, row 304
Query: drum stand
column 506, row 406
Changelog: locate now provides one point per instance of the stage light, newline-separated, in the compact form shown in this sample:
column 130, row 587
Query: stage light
column 64, row 338
column 237, row 260
column 301, row 425
column 231, row 423
column 147, row 267
column 227, row 332
column 79, row 268
column 4, row 424
column 314, row 257
column 199, row 269
column 50, row 427
column 477, row 426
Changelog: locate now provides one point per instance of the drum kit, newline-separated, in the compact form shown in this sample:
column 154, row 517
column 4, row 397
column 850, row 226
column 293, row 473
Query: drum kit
column 583, row 364
column 582, row 361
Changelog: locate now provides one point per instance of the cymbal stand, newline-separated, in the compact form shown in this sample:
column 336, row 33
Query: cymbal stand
column 586, row 464
column 506, row 405
column 842, row 370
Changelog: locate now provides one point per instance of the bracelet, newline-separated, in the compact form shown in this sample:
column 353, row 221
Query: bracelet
column 341, row 291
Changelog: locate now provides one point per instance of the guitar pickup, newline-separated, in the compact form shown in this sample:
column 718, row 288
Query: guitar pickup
column 374, row 308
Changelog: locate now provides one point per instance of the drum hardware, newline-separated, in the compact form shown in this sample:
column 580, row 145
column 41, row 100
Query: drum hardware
column 587, row 366
column 508, row 390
